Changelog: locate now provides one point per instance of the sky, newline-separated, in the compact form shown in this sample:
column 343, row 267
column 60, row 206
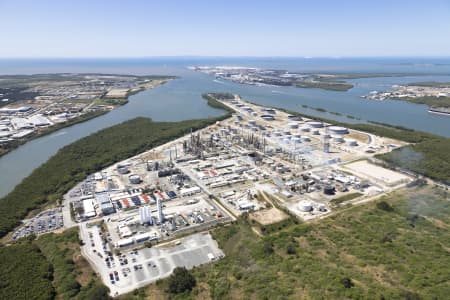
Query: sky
column 133, row 28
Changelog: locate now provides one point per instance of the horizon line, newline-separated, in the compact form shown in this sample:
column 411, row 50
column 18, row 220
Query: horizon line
column 223, row 56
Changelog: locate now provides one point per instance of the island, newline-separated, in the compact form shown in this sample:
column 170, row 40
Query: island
column 35, row 105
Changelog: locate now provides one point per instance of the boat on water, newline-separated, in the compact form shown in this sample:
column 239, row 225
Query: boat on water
column 439, row 112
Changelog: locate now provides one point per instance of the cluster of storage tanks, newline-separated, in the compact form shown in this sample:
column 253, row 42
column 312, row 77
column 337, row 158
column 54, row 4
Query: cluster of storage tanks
column 307, row 206
column 336, row 133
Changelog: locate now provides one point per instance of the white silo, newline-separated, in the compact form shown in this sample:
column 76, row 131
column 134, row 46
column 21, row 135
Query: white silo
column 145, row 215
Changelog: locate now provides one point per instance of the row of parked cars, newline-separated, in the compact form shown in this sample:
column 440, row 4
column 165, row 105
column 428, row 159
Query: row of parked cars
column 45, row 221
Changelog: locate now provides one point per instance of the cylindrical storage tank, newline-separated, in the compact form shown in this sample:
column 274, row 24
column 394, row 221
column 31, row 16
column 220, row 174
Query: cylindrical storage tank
column 296, row 140
column 322, row 208
column 293, row 125
column 352, row 142
column 254, row 128
column 338, row 138
column 296, row 135
column 286, row 132
column 267, row 118
column 338, row 129
column 239, row 117
column 288, row 137
column 315, row 124
column 315, row 132
column 305, row 138
column 286, row 140
column 134, row 179
column 254, row 114
column 277, row 133
column 305, row 206
column 328, row 190
column 305, row 128
column 252, row 122
column 122, row 170
column 294, row 118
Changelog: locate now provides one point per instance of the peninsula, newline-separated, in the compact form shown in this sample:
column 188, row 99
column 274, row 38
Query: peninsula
column 436, row 95
column 35, row 105
column 256, row 76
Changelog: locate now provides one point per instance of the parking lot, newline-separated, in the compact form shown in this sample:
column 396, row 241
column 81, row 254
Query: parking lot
column 135, row 268
column 45, row 221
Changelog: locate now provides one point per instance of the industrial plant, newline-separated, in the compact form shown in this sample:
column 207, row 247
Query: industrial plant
column 263, row 162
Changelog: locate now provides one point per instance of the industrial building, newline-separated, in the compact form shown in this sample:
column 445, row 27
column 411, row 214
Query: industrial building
column 88, row 208
column 105, row 204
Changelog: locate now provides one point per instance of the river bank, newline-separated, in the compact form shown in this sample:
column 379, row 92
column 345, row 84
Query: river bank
column 112, row 103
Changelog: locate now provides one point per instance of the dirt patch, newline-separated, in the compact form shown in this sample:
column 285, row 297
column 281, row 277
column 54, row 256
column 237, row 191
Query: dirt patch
column 153, row 292
column 268, row 216
column 359, row 136
column 365, row 168
column 84, row 270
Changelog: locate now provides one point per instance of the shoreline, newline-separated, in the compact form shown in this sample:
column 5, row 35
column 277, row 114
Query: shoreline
column 80, row 119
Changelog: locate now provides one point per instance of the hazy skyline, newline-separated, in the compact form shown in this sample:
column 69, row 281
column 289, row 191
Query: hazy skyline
column 100, row 28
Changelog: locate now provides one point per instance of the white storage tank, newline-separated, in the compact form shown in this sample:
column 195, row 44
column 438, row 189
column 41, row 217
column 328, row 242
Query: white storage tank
column 294, row 118
column 305, row 138
column 352, row 142
column 122, row 170
column 305, row 128
column 338, row 129
column 268, row 117
column 296, row 140
column 252, row 122
column 305, row 206
column 315, row 132
column 134, row 179
column 315, row 124
column 338, row 138
column 293, row 125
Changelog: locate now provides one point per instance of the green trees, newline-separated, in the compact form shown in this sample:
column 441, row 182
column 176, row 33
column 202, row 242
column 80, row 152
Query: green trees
column 25, row 273
column 45, row 269
column 430, row 158
column 383, row 205
column 180, row 281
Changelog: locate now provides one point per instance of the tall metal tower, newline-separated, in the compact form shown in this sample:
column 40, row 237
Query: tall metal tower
column 326, row 141
column 160, row 212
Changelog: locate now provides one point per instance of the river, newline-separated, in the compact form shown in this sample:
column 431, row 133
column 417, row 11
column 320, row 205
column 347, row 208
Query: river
column 181, row 98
